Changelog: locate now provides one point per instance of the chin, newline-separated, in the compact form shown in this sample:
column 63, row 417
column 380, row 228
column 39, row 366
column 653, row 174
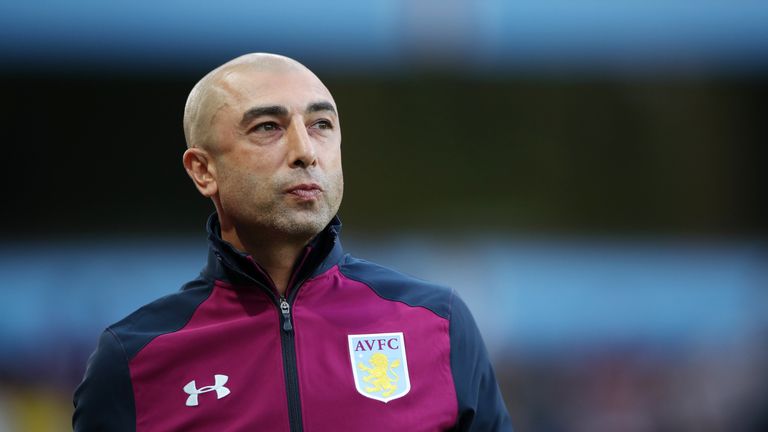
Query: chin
column 302, row 227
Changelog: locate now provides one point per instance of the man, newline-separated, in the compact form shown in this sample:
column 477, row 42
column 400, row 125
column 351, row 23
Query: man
column 282, row 331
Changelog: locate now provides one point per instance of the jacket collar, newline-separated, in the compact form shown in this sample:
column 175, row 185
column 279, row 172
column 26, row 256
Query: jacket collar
column 227, row 263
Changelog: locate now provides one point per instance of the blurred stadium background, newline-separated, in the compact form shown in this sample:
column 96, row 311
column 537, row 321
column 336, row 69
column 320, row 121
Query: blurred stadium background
column 590, row 175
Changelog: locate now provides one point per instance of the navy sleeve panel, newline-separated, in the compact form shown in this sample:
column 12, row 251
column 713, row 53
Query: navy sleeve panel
column 104, row 399
column 481, row 407
column 390, row 284
column 165, row 315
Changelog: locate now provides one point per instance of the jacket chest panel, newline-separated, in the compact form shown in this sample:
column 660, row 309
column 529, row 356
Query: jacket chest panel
column 366, row 363
column 226, row 376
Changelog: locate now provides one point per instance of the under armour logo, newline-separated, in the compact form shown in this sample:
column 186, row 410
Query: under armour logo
column 218, row 386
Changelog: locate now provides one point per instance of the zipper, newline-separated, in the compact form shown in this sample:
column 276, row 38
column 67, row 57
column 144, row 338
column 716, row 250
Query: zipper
column 285, row 309
column 288, row 345
column 287, row 339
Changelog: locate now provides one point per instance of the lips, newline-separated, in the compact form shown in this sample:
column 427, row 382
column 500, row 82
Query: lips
column 305, row 191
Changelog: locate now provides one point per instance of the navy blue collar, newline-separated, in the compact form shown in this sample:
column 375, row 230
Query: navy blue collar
column 227, row 263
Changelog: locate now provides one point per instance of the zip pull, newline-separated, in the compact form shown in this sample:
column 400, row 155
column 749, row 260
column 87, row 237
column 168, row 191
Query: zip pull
column 285, row 308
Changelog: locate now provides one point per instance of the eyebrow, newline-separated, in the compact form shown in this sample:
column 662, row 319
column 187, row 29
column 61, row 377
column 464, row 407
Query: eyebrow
column 281, row 111
column 273, row 110
column 320, row 106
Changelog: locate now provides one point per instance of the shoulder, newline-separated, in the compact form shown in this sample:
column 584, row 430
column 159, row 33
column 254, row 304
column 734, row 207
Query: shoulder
column 164, row 315
column 397, row 286
column 104, row 400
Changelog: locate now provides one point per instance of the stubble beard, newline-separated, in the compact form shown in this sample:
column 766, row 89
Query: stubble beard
column 280, row 216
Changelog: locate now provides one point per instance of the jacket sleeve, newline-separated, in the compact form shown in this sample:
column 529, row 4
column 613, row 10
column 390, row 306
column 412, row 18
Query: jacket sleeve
column 104, row 399
column 481, row 407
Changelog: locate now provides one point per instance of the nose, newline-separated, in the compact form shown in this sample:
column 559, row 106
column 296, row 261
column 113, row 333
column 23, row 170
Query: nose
column 301, row 149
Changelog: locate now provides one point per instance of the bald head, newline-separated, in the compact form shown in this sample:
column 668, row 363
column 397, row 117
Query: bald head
column 210, row 93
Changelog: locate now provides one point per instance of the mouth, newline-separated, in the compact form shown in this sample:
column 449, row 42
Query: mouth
column 305, row 191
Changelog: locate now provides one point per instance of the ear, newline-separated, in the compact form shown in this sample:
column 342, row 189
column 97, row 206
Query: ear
column 201, row 170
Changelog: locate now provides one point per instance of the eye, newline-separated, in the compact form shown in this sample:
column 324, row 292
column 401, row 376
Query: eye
column 322, row 124
column 266, row 127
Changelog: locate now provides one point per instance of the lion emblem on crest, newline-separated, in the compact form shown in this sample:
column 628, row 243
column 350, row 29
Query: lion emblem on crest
column 378, row 374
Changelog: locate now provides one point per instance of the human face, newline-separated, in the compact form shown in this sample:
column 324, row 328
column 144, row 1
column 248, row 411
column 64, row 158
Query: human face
column 277, row 156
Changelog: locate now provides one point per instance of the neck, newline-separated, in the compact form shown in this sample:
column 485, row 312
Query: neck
column 277, row 256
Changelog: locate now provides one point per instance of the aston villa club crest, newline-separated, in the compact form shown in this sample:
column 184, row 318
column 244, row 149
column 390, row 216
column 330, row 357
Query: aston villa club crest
column 379, row 365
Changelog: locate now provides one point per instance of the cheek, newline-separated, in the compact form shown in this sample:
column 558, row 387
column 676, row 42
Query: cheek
column 237, row 180
column 332, row 158
column 245, row 164
column 336, row 178
column 333, row 171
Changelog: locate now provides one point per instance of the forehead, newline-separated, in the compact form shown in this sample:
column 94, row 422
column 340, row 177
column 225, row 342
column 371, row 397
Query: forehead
column 244, row 88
